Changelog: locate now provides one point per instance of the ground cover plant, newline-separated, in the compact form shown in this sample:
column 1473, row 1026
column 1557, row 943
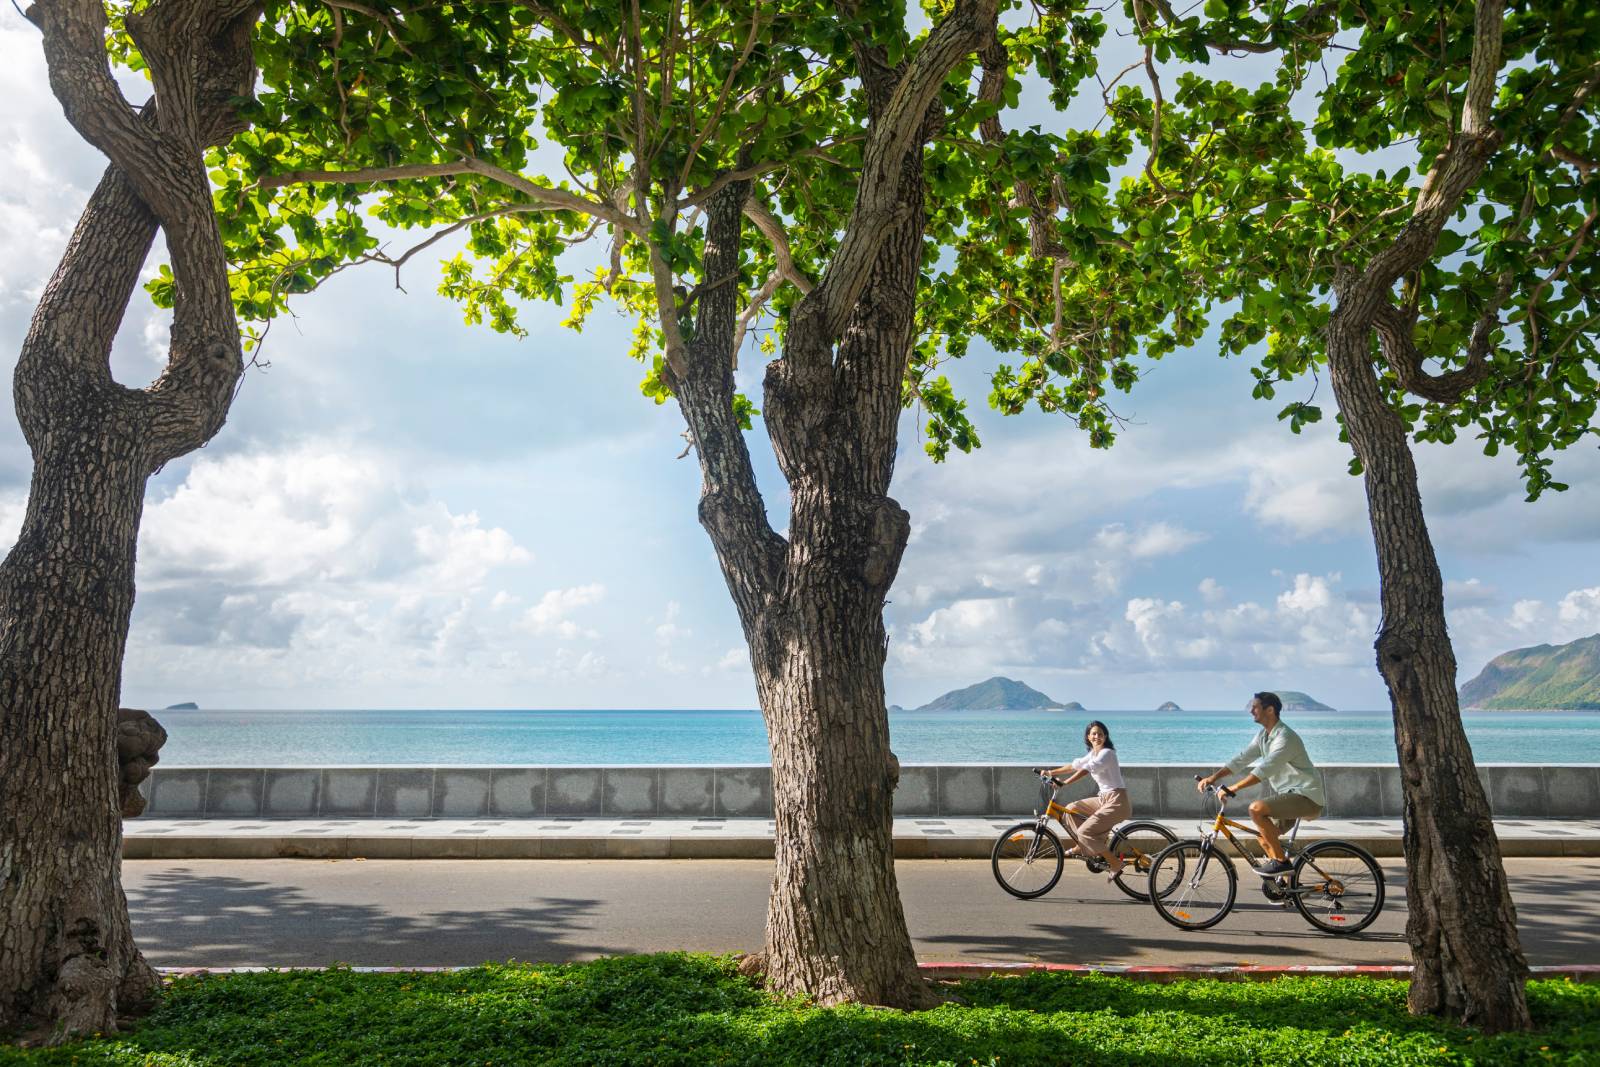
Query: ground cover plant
column 675, row 1008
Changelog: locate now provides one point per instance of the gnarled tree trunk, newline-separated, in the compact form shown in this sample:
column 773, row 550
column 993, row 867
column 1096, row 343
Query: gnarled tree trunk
column 68, row 963
column 811, row 604
column 1467, row 960
column 1462, row 927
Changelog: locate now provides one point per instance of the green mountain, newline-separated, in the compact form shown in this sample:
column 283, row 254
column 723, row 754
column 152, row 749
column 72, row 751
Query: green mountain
column 997, row 694
column 1297, row 701
column 1541, row 678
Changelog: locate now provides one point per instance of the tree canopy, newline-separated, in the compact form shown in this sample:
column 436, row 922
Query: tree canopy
column 1494, row 334
column 532, row 129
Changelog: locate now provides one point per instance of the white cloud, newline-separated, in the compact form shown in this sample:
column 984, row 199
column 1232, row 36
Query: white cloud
column 549, row 616
column 1310, row 625
column 669, row 633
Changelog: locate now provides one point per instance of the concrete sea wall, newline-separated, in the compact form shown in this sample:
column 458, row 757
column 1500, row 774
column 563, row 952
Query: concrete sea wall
column 1570, row 791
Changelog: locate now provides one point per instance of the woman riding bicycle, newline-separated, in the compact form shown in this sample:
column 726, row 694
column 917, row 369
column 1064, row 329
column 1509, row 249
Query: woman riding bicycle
column 1110, row 806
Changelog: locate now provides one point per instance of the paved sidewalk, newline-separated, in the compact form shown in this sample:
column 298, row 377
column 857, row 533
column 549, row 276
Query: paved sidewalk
column 584, row 838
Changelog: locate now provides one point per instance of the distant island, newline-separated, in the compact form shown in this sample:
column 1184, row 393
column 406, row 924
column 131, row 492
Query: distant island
column 997, row 694
column 1169, row 706
column 1541, row 678
column 187, row 705
column 1297, row 701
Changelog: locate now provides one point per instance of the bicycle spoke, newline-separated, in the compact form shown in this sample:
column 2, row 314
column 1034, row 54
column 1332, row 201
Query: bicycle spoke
column 1202, row 885
column 1338, row 888
column 1138, row 845
column 1026, row 862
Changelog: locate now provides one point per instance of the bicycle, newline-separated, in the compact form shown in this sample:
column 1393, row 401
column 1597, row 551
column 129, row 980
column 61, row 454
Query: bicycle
column 1335, row 885
column 1028, row 858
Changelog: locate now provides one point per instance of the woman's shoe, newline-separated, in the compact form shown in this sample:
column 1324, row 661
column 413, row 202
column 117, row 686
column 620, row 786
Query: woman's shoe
column 1115, row 869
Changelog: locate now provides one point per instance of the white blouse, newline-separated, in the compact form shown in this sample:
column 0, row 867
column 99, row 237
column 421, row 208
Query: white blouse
column 1103, row 767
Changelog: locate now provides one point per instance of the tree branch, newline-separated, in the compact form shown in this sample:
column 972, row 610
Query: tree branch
column 1452, row 174
column 545, row 197
column 893, row 135
column 773, row 231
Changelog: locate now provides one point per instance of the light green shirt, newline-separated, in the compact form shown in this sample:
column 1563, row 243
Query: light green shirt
column 1278, row 757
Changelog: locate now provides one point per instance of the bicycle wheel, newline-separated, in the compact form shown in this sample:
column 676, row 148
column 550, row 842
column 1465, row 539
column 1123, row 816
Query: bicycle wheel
column 1027, row 860
column 1202, row 883
column 1138, row 843
column 1337, row 886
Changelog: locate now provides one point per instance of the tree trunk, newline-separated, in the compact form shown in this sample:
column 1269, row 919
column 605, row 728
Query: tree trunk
column 66, row 592
column 1467, row 959
column 811, row 606
column 68, row 964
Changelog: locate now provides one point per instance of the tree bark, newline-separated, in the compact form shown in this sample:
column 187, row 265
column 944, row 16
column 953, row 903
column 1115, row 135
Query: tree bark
column 1462, row 927
column 68, row 963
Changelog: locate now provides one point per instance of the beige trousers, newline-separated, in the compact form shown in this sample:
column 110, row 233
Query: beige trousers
column 1103, row 813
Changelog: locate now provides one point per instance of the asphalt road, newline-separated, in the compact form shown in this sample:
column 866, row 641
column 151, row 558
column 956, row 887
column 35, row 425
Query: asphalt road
column 435, row 912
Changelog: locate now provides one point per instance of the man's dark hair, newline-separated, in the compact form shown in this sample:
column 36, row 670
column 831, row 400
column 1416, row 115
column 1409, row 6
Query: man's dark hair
column 1271, row 700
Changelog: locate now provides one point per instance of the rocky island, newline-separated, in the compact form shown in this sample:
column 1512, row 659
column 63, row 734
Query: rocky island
column 997, row 694
column 1169, row 706
column 1294, row 700
column 187, row 705
column 1541, row 678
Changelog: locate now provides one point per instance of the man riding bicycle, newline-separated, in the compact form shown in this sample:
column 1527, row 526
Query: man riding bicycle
column 1277, row 756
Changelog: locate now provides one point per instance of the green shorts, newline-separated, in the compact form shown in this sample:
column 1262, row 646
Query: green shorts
column 1287, row 808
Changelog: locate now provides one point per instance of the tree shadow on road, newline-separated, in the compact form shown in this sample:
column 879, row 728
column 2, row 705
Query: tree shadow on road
column 180, row 916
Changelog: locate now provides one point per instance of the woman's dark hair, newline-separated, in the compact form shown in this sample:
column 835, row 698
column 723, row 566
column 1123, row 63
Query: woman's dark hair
column 1103, row 729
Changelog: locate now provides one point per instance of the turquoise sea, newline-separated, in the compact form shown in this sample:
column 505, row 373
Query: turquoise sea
column 208, row 738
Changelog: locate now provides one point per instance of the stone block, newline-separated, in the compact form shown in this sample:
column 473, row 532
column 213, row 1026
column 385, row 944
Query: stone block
column 349, row 791
column 638, row 848
column 1517, row 791
column 234, row 792
column 1179, row 799
column 405, row 792
column 1016, row 791
column 1393, row 793
column 445, row 847
column 311, row 848
column 966, row 791
column 744, row 792
column 720, row 848
column 1353, row 792
column 629, row 791
column 290, row 794
column 688, row 792
column 138, row 848
column 379, row 847
column 573, row 848
column 176, row 791
column 1573, row 792
column 517, row 792
column 509, row 848
column 916, row 793
column 573, row 791
column 1144, row 791
column 461, row 792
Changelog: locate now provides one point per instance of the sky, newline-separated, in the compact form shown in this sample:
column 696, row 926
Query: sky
column 405, row 511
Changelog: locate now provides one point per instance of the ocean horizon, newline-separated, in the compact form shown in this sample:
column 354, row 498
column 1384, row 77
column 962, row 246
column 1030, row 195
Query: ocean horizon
column 209, row 737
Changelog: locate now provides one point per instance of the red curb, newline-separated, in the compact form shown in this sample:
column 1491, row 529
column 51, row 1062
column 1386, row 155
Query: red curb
column 1244, row 973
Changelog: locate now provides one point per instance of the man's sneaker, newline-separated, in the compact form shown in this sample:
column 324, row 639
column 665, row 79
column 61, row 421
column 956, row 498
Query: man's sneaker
column 1273, row 868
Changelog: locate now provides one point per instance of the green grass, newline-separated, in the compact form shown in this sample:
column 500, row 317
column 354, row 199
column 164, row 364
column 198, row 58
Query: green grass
column 680, row 1009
